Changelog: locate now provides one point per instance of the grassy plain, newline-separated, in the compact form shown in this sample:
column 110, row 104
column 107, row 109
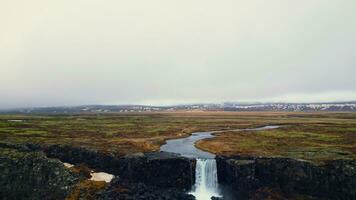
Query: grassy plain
column 311, row 136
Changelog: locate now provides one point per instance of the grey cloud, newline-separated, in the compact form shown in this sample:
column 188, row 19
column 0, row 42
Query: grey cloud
column 166, row 52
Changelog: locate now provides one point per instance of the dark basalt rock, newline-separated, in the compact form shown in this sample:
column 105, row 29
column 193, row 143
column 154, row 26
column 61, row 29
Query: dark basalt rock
column 164, row 175
column 31, row 175
column 109, row 163
column 161, row 169
column 244, row 175
column 152, row 176
column 122, row 190
column 164, row 170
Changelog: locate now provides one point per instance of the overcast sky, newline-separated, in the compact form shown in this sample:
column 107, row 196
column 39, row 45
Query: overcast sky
column 72, row 52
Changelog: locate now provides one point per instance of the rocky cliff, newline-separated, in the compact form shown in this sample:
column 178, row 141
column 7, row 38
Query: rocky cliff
column 150, row 175
column 122, row 190
column 165, row 170
column 31, row 175
column 245, row 175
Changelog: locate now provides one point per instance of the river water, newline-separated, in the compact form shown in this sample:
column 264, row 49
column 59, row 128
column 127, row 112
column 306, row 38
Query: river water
column 206, row 181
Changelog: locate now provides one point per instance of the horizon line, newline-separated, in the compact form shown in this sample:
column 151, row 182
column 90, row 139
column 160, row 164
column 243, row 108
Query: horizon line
column 182, row 104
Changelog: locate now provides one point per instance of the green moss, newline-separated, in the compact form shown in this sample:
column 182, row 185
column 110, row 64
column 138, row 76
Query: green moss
column 351, row 129
column 11, row 153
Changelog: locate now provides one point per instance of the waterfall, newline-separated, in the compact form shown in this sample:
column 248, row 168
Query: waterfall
column 206, row 180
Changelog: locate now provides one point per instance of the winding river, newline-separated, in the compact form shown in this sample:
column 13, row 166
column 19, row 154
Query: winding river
column 206, row 181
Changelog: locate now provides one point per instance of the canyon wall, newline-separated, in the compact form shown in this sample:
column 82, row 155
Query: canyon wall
column 30, row 171
column 244, row 175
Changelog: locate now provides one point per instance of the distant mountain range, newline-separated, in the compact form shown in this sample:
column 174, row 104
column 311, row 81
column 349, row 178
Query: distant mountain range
column 307, row 107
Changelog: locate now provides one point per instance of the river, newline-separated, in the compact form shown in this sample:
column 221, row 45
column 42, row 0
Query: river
column 206, row 181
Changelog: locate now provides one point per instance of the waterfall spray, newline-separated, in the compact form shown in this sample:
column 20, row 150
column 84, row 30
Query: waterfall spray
column 206, row 181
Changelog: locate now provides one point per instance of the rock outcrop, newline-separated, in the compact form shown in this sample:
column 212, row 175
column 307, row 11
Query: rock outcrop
column 164, row 170
column 159, row 169
column 162, row 175
column 31, row 175
column 122, row 190
column 107, row 162
column 244, row 175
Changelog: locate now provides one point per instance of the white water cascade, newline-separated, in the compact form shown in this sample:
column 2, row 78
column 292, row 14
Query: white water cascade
column 206, row 180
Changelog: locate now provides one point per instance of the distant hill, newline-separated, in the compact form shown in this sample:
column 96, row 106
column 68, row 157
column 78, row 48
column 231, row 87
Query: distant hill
column 333, row 106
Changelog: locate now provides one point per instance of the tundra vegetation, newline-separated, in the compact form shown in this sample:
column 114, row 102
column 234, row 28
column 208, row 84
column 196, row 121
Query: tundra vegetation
column 315, row 137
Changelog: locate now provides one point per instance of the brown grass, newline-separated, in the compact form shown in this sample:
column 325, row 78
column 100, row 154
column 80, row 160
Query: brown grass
column 315, row 136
